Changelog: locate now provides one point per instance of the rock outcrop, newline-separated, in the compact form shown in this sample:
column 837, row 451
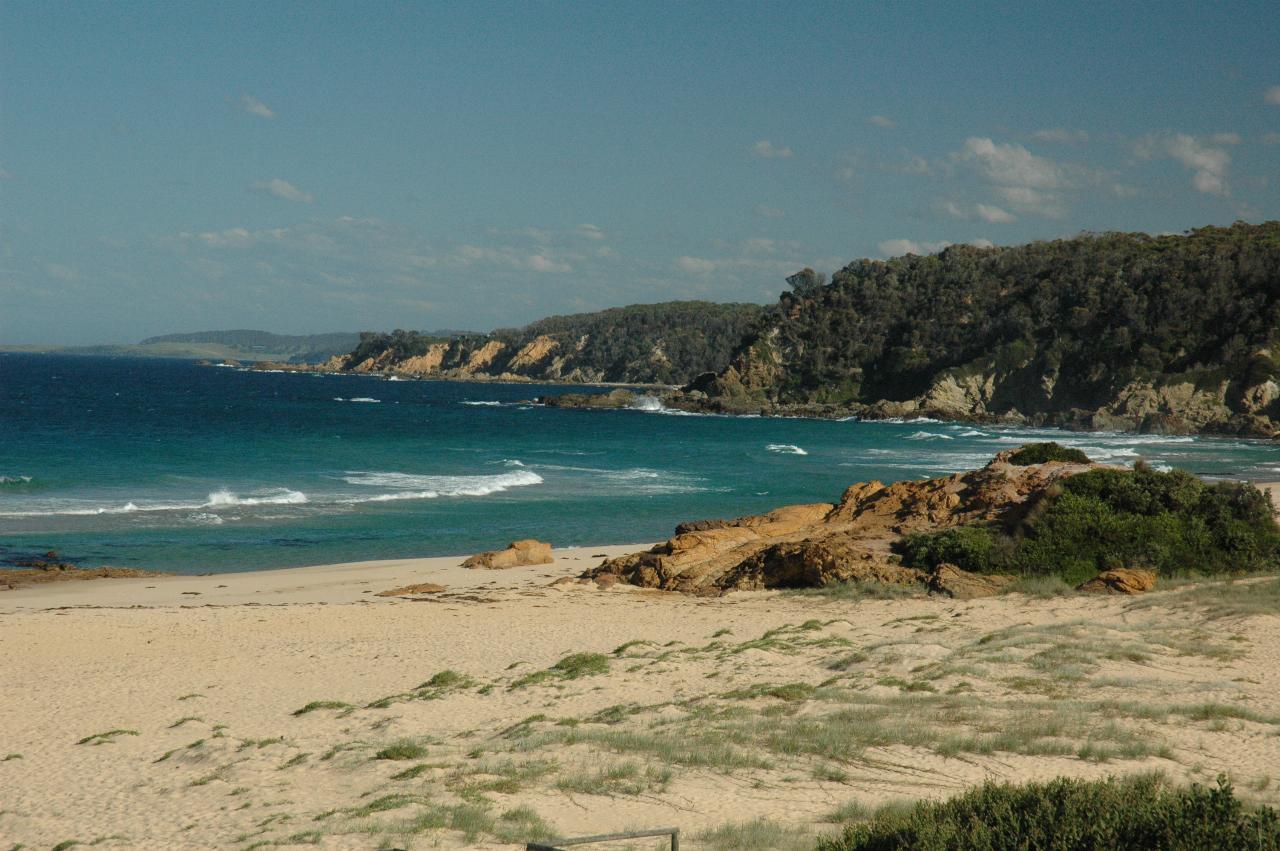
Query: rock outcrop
column 949, row 580
column 517, row 554
column 823, row 543
column 1121, row 580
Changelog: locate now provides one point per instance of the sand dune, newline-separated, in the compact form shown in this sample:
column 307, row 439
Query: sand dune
column 696, row 712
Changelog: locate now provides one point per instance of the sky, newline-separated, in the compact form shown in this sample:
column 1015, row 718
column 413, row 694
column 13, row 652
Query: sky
column 299, row 168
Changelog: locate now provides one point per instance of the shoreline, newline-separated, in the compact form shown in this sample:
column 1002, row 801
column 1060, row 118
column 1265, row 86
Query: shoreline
column 326, row 584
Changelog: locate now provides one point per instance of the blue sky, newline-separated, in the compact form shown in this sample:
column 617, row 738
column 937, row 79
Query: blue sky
column 314, row 167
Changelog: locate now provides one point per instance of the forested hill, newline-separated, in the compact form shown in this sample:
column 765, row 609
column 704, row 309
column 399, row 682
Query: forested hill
column 668, row 343
column 246, row 343
column 1110, row 330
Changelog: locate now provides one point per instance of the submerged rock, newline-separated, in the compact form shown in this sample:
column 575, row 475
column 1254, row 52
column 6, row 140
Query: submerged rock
column 517, row 554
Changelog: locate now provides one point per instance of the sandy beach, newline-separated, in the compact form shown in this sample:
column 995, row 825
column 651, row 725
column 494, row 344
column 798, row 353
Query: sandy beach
column 296, row 708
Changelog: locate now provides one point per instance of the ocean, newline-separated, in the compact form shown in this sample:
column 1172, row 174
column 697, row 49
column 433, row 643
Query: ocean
column 167, row 465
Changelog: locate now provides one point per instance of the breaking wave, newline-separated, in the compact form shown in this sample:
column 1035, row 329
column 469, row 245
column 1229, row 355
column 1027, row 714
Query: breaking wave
column 786, row 449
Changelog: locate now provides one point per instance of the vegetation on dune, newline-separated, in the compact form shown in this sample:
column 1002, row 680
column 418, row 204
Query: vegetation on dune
column 1172, row 523
column 1140, row 812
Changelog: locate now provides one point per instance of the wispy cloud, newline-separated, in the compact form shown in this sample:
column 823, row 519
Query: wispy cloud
column 766, row 150
column 1272, row 96
column 1225, row 139
column 283, row 189
column 1061, row 135
column 5, row 174
column 253, row 106
column 590, row 231
column 764, row 211
column 986, row 212
column 1027, row 182
column 1208, row 164
column 882, row 121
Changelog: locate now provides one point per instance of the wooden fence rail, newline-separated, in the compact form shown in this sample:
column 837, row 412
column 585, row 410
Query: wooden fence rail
column 558, row 844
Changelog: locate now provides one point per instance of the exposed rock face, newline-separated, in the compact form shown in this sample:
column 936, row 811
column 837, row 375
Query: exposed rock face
column 517, row 554
column 962, row 585
column 818, row 544
column 483, row 356
column 1121, row 580
column 534, row 353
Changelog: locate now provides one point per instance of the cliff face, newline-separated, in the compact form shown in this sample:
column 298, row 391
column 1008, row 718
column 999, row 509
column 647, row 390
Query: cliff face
column 1110, row 331
column 666, row 343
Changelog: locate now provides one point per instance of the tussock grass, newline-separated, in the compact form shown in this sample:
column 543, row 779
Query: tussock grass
column 757, row 835
column 317, row 705
column 621, row 778
column 571, row 667
column 855, row 591
column 402, row 750
column 104, row 738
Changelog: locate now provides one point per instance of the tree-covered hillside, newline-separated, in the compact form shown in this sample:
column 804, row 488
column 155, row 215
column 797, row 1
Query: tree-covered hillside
column 667, row 343
column 1104, row 330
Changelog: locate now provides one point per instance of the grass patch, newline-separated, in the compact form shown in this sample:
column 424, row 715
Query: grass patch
column 756, row 835
column 104, row 738
column 572, row 667
column 402, row 750
column 317, row 705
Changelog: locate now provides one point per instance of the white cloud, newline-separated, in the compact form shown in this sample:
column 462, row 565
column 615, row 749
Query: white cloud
column 882, row 121
column 543, row 263
column 760, row 245
column 1225, row 138
column 1272, row 96
column 5, row 174
column 993, row 214
column 696, row 265
column 1208, row 165
column 986, row 212
column 899, row 247
column 1061, row 135
column 62, row 272
column 282, row 189
column 764, row 149
column 767, row 212
column 1271, row 139
column 589, row 231
column 1010, row 164
column 253, row 106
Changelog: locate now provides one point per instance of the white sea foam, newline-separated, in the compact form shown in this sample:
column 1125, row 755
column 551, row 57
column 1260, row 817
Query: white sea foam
column 648, row 403
column 973, row 432
column 14, row 480
column 512, row 462
column 928, row 435
column 363, row 399
column 786, row 449
column 481, row 402
column 276, row 496
column 414, row 486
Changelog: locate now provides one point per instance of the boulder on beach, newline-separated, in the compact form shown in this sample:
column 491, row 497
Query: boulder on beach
column 951, row 581
column 517, row 554
column 1121, row 580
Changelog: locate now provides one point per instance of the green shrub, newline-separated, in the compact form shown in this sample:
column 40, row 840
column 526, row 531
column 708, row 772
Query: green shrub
column 972, row 548
column 1172, row 523
column 1135, row 813
column 1039, row 453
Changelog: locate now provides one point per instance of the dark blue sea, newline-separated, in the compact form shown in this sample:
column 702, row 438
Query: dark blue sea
column 168, row 465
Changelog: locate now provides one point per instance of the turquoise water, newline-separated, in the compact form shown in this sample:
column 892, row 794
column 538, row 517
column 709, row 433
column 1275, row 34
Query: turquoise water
column 171, row 466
